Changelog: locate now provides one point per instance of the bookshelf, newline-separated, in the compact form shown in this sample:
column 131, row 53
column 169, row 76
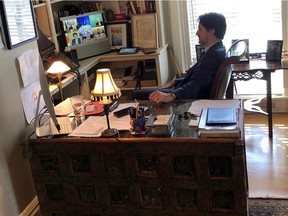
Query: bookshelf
column 47, row 13
column 158, row 73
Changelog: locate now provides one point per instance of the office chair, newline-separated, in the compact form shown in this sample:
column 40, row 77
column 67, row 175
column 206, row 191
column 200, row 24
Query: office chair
column 222, row 78
column 223, row 74
column 139, row 74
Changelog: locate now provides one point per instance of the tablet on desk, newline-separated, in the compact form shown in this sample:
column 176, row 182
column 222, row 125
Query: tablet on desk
column 132, row 50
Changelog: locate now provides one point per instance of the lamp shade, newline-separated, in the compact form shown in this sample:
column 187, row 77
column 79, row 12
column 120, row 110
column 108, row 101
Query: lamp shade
column 58, row 67
column 105, row 88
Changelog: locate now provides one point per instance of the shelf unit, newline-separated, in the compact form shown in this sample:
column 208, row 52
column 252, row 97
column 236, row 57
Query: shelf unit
column 46, row 18
column 46, row 22
column 89, row 66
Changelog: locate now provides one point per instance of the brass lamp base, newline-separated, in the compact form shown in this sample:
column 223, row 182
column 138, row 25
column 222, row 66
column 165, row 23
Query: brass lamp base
column 110, row 132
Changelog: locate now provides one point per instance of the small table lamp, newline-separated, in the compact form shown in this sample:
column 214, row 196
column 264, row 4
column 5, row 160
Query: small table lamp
column 105, row 91
column 58, row 67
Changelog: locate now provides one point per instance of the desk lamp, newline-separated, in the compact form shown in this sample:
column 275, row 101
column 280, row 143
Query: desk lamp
column 58, row 67
column 105, row 91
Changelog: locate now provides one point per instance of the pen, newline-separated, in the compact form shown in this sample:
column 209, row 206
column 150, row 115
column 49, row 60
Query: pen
column 137, row 108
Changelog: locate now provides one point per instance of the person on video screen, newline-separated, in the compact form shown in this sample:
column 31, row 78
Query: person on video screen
column 76, row 39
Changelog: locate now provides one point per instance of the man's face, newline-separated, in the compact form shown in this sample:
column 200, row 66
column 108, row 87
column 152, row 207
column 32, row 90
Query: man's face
column 203, row 34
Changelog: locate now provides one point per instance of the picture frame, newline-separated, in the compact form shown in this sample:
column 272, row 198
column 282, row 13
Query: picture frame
column 18, row 21
column 274, row 50
column 144, row 31
column 119, row 35
column 245, row 57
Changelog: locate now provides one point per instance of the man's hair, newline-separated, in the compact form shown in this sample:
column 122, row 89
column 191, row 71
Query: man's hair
column 214, row 21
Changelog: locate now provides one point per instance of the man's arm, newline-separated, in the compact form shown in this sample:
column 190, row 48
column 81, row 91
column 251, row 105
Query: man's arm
column 198, row 82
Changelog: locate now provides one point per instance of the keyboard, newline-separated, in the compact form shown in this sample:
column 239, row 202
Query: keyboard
column 65, row 126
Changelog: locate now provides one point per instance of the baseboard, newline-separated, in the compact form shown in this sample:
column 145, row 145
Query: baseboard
column 33, row 209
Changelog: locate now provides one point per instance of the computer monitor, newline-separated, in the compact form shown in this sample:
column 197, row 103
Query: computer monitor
column 44, row 91
column 86, row 33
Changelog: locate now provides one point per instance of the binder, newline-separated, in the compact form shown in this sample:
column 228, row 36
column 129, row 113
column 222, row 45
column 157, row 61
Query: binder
column 220, row 125
column 221, row 116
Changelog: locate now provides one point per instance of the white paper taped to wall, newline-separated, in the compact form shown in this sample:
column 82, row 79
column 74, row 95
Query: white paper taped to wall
column 29, row 66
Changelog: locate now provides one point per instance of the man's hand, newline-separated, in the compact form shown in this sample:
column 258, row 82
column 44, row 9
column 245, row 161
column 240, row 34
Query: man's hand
column 160, row 97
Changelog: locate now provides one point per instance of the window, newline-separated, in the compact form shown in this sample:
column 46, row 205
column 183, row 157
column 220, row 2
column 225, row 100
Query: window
column 18, row 22
column 256, row 20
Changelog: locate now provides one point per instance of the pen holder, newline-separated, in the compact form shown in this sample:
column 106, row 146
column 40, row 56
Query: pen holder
column 138, row 126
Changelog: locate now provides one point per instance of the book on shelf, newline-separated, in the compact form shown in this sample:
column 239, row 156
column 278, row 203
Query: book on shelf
column 142, row 6
column 220, row 122
column 132, row 6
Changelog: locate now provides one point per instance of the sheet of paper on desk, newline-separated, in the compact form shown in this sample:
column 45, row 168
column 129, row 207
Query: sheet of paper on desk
column 63, row 108
column 91, row 127
column 94, row 125
column 197, row 106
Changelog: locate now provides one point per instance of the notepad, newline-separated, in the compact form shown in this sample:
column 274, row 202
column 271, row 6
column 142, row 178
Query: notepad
column 219, row 116
column 224, row 122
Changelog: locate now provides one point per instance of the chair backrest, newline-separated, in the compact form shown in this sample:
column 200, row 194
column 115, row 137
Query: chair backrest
column 223, row 74
column 222, row 78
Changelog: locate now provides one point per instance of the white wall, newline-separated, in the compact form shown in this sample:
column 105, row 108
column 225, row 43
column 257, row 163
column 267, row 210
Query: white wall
column 16, row 184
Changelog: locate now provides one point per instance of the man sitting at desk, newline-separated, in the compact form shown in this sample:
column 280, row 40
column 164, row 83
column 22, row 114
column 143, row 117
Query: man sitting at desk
column 197, row 82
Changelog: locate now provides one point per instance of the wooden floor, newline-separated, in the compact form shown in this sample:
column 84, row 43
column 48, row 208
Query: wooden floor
column 267, row 159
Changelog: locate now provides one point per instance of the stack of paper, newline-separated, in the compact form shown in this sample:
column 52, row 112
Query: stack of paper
column 219, row 122
column 94, row 125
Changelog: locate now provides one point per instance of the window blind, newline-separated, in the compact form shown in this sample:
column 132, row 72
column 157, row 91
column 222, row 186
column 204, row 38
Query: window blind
column 256, row 20
column 19, row 17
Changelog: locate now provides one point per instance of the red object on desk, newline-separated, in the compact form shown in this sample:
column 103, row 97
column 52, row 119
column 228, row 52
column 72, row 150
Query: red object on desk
column 98, row 108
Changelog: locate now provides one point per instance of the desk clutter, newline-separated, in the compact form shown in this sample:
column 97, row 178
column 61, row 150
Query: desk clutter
column 204, row 118
column 132, row 175
column 161, row 125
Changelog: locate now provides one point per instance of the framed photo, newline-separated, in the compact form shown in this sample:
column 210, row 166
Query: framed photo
column 144, row 30
column 18, row 22
column 274, row 50
column 244, row 58
column 118, row 34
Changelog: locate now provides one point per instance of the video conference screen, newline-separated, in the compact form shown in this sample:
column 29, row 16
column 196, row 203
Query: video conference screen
column 83, row 28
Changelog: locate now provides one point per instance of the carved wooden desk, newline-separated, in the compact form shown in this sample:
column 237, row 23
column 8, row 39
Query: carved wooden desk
column 259, row 69
column 183, row 175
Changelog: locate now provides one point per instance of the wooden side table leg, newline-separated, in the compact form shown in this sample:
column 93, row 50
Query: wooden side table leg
column 269, row 104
